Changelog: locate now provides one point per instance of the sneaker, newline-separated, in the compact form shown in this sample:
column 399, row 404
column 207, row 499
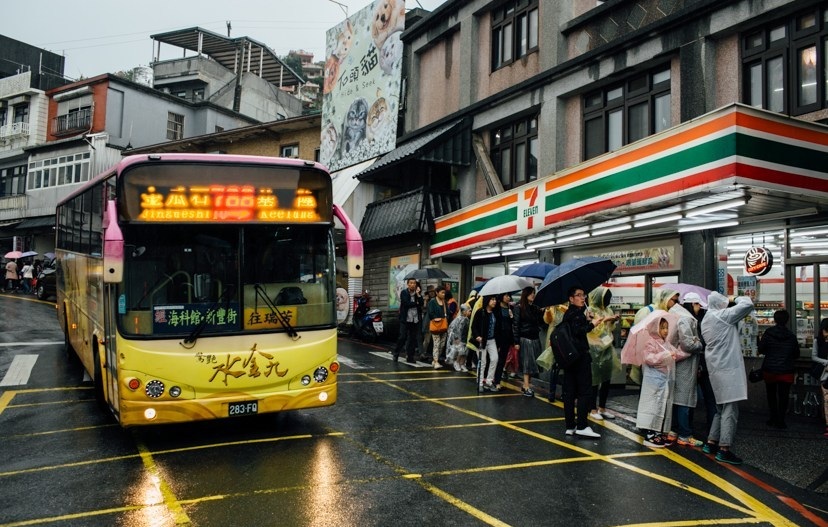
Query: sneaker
column 726, row 456
column 586, row 432
column 493, row 387
column 710, row 448
column 436, row 365
column 456, row 367
column 463, row 368
column 570, row 431
column 528, row 392
column 690, row 441
column 607, row 415
column 653, row 440
column 596, row 416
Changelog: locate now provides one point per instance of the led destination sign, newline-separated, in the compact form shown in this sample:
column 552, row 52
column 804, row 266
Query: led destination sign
column 188, row 193
column 233, row 203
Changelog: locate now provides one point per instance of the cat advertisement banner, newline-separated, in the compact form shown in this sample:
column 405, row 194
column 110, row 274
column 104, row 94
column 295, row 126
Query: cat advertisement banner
column 362, row 85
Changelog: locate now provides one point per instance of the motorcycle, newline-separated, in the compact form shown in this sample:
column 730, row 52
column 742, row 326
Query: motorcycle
column 367, row 322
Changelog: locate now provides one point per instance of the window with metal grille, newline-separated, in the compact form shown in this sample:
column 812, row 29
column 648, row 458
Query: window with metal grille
column 175, row 126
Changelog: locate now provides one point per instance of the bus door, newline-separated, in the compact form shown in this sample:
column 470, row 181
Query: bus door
column 110, row 373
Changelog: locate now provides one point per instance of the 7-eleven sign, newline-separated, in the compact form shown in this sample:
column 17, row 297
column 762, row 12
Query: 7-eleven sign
column 530, row 210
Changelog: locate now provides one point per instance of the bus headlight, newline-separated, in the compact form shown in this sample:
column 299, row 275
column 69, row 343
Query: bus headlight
column 154, row 389
column 320, row 374
column 175, row 391
column 305, row 380
column 149, row 414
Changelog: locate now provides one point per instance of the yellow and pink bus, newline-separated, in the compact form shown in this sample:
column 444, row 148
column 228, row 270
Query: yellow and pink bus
column 197, row 286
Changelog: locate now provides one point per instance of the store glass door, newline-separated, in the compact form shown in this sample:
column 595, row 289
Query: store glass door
column 810, row 301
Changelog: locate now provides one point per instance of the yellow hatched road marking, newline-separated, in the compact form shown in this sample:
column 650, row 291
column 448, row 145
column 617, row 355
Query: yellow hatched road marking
column 757, row 511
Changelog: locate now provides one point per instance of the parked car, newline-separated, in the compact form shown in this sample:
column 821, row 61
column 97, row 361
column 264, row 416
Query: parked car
column 46, row 281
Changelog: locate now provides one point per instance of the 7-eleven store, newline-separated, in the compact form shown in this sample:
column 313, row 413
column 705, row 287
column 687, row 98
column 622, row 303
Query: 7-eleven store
column 686, row 205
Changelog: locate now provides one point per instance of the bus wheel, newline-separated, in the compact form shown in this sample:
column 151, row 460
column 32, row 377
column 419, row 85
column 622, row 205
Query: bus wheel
column 98, row 378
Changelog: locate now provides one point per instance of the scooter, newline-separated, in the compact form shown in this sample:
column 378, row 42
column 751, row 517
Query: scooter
column 367, row 322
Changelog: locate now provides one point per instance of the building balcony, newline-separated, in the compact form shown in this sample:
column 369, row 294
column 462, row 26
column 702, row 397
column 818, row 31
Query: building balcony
column 14, row 130
column 72, row 123
column 12, row 207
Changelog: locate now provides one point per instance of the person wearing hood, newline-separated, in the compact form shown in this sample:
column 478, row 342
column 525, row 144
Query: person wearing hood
column 780, row 348
column 690, row 343
column 726, row 368
column 663, row 299
column 655, row 402
column 602, row 350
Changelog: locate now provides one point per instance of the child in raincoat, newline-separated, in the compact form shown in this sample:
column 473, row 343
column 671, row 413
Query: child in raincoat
column 655, row 403
column 456, row 339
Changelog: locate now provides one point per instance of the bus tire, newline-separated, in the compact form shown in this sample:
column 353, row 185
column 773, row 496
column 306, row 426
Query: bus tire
column 97, row 378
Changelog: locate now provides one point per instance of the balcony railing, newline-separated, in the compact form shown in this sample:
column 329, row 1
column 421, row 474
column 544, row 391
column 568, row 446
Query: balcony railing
column 13, row 130
column 72, row 122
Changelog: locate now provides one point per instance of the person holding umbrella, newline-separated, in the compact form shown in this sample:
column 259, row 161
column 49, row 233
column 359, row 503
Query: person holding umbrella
column 578, row 375
column 411, row 310
column 483, row 329
column 11, row 276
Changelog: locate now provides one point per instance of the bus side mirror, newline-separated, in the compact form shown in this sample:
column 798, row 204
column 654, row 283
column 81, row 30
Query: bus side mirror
column 113, row 249
column 353, row 244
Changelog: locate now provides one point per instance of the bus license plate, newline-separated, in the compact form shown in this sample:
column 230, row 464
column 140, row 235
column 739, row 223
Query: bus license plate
column 244, row 408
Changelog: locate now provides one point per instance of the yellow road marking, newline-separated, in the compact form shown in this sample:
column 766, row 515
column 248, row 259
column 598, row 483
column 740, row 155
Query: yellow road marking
column 157, row 478
column 5, row 399
column 757, row 511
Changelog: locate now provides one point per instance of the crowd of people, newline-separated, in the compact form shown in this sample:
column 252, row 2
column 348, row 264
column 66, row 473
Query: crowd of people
column 691, row 354
column 20, row 277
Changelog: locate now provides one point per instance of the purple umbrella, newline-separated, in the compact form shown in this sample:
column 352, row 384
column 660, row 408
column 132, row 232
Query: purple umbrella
column 683, row 289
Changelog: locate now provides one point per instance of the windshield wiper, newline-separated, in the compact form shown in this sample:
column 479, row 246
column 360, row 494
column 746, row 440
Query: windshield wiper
column 283, row 320
column 190, row 341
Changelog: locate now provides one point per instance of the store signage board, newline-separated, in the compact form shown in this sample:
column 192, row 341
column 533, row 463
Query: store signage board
column 758, row 261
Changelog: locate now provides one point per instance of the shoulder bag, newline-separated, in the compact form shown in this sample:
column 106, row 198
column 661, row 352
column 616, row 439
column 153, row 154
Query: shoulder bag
column 439, row 326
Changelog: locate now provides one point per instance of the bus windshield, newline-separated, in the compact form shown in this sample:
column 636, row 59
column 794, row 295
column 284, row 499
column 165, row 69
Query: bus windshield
column 230, row 278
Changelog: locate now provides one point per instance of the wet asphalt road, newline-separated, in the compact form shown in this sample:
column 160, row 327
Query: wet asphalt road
column 404, row 445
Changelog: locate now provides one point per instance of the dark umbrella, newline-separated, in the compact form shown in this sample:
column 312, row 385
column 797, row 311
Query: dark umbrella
column 586, row 273
column 534, row 270
column 425, row 273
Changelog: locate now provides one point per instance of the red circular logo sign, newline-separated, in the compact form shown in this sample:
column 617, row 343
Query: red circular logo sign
column 758, row 261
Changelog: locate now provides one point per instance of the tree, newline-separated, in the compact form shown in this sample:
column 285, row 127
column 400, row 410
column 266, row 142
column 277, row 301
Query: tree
column 293, row 61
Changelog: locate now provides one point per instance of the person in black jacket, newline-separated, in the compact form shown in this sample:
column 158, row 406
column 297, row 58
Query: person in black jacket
column 527, row 323
column 411, row 313
column 578, row 376
column 780, row 348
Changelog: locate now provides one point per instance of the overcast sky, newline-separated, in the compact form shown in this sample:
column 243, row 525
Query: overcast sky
column 104, row 36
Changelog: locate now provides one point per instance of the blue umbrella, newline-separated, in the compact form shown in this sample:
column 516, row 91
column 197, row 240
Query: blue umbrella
column 587, row 273
column 534, row 270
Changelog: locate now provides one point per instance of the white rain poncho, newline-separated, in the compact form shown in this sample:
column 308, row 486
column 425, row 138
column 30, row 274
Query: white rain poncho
column 723, row 353
column 687, row 369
